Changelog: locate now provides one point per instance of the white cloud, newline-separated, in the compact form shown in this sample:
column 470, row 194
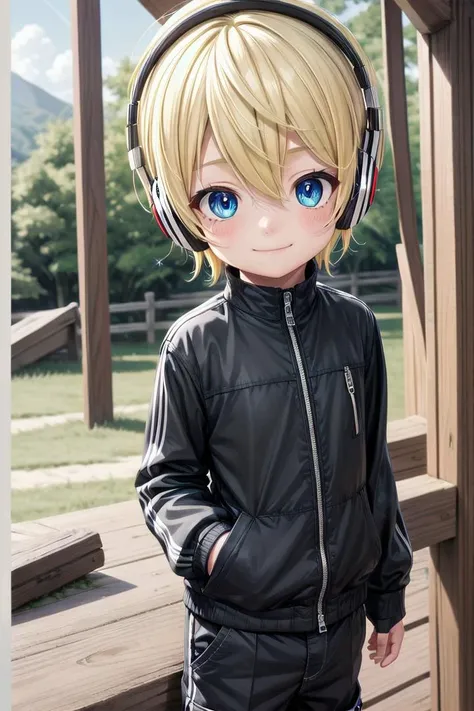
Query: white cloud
column 32, row 52
column 36, row 59
column 61, row 68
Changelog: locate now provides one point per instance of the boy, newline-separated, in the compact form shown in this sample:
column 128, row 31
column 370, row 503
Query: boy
column 266, row 476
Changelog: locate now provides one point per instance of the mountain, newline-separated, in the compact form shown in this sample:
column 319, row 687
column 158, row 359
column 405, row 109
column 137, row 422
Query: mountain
column 32, row 108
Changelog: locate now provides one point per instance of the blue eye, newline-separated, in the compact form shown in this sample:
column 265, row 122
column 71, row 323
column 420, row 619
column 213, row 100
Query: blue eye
column 219, row 204
column 313, row 192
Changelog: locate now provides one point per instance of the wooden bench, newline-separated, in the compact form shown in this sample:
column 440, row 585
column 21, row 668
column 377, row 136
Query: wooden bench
column 118, row 646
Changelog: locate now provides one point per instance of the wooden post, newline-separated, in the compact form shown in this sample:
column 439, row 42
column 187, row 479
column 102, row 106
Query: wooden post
column 150, row 316
column 414, row 352
column 446, row 71
column 91, row 218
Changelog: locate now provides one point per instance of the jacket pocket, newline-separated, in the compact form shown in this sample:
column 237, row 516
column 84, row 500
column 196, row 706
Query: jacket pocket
column 228, row 551
column 352, row 395
column 267, row 562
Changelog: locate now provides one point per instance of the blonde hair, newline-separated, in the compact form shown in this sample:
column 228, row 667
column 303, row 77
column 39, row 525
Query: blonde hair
column 251, row 77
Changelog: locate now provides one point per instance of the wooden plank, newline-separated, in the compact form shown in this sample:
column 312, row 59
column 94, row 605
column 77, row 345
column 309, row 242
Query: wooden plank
column 42, row 565
column 414, row 348
column 37, row 556
column 139, row 587
column 159, row 8
column 395, row 93
column 429, row 509
column 41, row 334
column 427, row 15
column 40, row 349
column 108, row 667
column 407, row 446
column 91, row 217
column 446, row 70
column 415, row 697
column 57, row 578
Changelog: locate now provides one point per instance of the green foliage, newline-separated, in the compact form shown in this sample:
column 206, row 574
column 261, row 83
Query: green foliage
column 375, row 238
column 44, row 218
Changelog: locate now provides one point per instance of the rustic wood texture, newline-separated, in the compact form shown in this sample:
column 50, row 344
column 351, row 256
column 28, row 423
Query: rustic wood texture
column 414, row 348
column 41, row 333
column 91, row 216
column 407, row 446
column 108, row 640
column 42, row 564
column 395, row 92
column 446, row 68
column 427, row 15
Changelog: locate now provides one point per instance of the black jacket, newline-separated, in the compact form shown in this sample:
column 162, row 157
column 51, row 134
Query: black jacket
column 269, row 419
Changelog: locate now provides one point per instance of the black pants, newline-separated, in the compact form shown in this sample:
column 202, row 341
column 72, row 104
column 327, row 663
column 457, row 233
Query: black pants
column 233, row 670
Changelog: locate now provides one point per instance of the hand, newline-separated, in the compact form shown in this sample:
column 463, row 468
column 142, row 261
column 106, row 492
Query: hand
column 385, row 647
column 214, row 552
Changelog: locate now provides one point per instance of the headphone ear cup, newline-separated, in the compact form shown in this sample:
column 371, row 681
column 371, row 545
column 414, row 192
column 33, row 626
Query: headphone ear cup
column 170, row 224
column 363, row 192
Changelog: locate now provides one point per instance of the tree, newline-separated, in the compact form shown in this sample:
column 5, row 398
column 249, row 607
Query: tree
column 44, row 217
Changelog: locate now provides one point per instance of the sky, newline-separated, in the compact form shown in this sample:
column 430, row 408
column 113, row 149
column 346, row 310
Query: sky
column 41, row 40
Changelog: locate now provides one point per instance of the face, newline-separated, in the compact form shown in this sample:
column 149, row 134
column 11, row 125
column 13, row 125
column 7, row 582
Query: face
column 265, row 239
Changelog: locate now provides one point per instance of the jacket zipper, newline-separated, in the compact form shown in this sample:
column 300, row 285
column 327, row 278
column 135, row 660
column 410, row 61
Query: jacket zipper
column 290, row 322
column 351, row 390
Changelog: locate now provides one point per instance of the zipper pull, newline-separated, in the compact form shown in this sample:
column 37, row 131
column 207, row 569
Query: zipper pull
column 322, row 623
column 288, row 312
column 349, row 381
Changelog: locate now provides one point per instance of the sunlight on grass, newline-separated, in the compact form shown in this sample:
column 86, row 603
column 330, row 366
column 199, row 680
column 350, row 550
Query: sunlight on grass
column 52, row 388
column 52, row 500
column 73, row 443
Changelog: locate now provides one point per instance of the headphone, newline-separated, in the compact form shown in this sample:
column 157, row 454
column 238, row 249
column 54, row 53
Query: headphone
column 365, row 181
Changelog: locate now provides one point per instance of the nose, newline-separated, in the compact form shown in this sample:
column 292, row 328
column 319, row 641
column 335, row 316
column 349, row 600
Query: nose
column 267, row 224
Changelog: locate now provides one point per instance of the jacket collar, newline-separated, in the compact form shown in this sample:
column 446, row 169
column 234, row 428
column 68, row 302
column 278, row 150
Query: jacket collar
column 267, row 301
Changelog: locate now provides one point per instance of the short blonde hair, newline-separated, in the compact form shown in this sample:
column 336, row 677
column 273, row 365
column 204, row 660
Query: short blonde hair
column 251, row 77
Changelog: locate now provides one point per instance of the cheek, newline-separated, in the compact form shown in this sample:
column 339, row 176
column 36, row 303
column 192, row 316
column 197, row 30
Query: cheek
column 313, row 220
column 221, row 231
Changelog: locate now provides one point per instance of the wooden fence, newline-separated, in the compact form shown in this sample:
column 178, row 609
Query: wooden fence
column 156, row 311
column 160, row 314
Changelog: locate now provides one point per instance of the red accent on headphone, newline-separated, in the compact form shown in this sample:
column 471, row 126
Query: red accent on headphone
column 157, row 218
column 374, row 183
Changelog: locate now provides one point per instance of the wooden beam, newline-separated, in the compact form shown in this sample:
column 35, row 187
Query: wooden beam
column 91, row 216
column 395, row 91
column 159, row 8
column 43, row 564
column 427, row 15
column 407, row 446
column 446, row 69
column 429, row 509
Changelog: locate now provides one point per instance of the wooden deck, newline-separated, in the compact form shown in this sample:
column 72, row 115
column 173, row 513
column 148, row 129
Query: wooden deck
column 118, row 646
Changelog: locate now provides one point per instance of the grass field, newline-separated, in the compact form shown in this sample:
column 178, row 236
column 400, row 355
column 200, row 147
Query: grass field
column 57, row 388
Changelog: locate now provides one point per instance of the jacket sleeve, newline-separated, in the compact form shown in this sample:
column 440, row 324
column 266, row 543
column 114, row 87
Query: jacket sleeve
column 172, row 482
column 385, row 604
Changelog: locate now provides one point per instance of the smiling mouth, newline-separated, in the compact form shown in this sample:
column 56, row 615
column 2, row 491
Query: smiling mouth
column 278, row 249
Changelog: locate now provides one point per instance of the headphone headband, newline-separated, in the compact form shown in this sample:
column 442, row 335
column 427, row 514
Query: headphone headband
column 364, row 182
